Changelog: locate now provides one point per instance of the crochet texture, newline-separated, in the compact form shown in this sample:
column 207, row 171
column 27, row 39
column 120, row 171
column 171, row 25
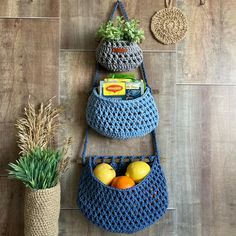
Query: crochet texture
column 169, row 25
column 41, row 211
column 123, row 211
column 119, row 61
column 122, row 119
column 133, row 209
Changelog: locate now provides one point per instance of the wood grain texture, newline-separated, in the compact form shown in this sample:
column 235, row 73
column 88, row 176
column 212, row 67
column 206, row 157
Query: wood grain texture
column 197, row 130
column 81, row 19
column 205, row 193
column 8, row 146
column 72, row 222
column 11, row 208
column 75, row 81
column 207, row 55
column 29, row 60
column 29, row 8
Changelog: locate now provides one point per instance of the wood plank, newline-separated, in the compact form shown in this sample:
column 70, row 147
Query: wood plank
column 72, row 222
column 8, row 148
column 205, row 164
column 11, row 207
column 29, row 8
column 29, row 60
column 77, row 69
column 207, row 53
column 81, row 19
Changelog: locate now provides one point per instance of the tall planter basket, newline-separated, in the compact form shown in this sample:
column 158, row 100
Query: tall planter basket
column 41, row 211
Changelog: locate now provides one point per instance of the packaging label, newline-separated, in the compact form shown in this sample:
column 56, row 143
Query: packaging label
column 114, row 89
column 118, row 86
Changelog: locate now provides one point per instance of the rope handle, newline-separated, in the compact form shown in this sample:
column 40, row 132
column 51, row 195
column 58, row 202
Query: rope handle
column 169, row 3
column 84, row 151
column 122, row 9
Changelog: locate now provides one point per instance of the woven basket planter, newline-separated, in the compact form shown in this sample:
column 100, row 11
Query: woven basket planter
column 126, row 210
column 122, row 119
column 41, row 212
column 119, row 55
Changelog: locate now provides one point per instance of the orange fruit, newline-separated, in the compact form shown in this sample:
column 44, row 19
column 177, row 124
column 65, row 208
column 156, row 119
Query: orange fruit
column 122, row 182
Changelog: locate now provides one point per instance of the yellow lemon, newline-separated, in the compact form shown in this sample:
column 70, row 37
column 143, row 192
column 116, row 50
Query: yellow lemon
column 105, row 173
column 138, row 170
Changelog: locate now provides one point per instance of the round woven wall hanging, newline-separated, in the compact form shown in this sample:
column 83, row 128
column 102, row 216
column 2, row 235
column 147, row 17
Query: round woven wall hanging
column 169, row 25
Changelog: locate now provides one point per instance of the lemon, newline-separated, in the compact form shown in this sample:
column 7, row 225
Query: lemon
column 138, row 170
column 105, row 173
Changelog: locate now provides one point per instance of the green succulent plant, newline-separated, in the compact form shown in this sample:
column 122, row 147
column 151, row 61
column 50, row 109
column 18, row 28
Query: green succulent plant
column 121, row 30
column 40, row 165
column 132, row 32
column 37, row 169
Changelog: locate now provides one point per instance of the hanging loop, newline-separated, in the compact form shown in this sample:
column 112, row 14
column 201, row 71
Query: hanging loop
column 122, row 9
column 202, row 2
column 169, row 3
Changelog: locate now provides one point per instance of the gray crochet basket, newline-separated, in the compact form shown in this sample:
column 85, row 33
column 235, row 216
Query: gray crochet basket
column 119, row 55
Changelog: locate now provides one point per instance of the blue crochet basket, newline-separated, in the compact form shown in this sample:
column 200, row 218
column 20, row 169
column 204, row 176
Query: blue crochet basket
column 122, row 119
column 127, row 210
column 119, row 55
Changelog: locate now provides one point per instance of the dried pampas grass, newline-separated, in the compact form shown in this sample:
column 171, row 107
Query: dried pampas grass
column 38, row 128
column 64, row 164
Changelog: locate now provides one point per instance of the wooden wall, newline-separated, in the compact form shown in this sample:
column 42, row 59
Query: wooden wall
column 47, row 48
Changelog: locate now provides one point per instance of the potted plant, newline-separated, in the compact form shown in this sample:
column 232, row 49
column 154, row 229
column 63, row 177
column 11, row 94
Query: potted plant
column 118, row 49
column 40, row 167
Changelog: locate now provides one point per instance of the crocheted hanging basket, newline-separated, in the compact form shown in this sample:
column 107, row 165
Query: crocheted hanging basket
column 119, row 55
column 127, row 210
column 41, row 211
column 122, row 119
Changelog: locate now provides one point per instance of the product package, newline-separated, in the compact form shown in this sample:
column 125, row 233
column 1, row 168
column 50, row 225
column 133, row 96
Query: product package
column 121, row 86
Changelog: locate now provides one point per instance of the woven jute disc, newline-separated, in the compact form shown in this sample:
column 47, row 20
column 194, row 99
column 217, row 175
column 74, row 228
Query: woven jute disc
column 169, row 25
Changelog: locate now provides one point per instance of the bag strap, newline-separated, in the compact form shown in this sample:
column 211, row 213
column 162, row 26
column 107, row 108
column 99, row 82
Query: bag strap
column 122, row 9
column 84, row 151
column 144, row 75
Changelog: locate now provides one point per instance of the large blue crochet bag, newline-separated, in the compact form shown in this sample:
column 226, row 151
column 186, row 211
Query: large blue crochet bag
column 127, row 210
